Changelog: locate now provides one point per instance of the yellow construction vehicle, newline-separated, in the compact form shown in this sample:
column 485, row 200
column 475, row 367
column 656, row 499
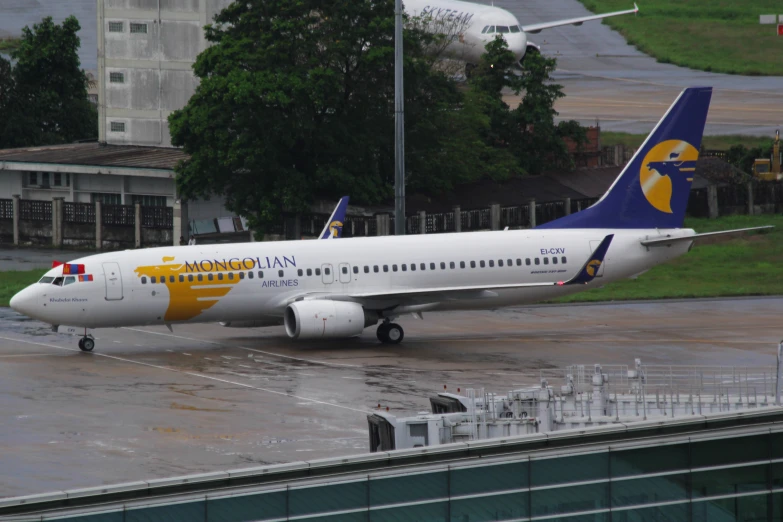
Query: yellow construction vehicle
column 769, row 169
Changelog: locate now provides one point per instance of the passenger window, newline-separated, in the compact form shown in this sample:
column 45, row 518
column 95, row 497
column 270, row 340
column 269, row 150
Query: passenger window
column 190, row 278
column 250, row 275
column 509, row 262
column 472, row 264
column 500, row 262
column 404, row 267
column 546, row 260
column 367, row 269
column 537, row 261
column 527, row 261
column 563, row 260
column 171, row 279
column 519, row 262
column 144, row 280
column 200, row 277
column 452, row 265
column 327, row 271
column 482, row 264
column 220, row 277
column 375, row 268
column 231, row 276
column 432, row 266
column 241, row 275
column 554, row 260
column 309, row 271
column 356, row 270
column 69, row 280
column 300, row 272
column 153, row 280
column 280, row 273
column 413, row 267
column 345, row 270
column 317, row 271
column 442, row 265
column 209, row 277
column 181, row 278
column 260, row 274
column 491, row 263
column 394, row 268
column 462, row 264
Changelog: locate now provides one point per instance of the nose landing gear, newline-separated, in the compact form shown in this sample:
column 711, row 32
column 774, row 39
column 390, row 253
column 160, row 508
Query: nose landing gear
column 390, row 333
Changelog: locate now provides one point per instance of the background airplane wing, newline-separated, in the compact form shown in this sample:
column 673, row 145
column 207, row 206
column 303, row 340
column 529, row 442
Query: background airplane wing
column 334, row 226
column 537, row 28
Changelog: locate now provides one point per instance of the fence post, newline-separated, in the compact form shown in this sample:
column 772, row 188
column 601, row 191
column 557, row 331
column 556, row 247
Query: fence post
column 422, row 222
column 531, row 212
column 494, row 216
column 712, row 200
column 176, row 222
column 457, row 218
column 57, row 222
column 16, row 218
column 567, row 204
column 751, row 209
column 98, row 225
column 382, row 224
column 137, row 224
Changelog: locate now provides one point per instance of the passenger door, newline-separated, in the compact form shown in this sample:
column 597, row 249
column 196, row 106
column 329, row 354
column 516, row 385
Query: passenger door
column 111, row 272
column 345, row 273
column 327, row 275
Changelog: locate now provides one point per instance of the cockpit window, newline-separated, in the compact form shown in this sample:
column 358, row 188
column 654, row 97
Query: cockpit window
column 491, row 29
column 69, row 280
column 58, row 281
column 483, row 31
column 502, row 28
column 514, row 28
column 46, row 280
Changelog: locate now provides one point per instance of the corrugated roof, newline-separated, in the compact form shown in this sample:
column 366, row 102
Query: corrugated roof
column 97, row 155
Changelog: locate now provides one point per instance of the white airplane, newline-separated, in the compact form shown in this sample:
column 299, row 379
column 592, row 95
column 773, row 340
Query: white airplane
column 471, row 26
column 330, row 289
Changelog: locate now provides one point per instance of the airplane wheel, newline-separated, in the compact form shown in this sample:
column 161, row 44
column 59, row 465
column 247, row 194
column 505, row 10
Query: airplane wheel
column 383, row 332
column 86, row 344
column 394, row 334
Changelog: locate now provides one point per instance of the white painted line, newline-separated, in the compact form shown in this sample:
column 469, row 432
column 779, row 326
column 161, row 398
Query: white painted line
column 116, row 342
column 228, row 357
column 29, row 355
column 354, row 378
column 170, row 351
column 186, row 354
column 192, row 374
column 207, row 358
column 245, row 366
column 307, row 374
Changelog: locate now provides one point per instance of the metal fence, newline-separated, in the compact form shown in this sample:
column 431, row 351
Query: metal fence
column 550, row 211
column 698, row 203
column 33, row 210
column 515, row 217
column 6, row 209
column 80, row 213
column 477, row 219
column 157, row 217
column 118, row 215
column 359, row 226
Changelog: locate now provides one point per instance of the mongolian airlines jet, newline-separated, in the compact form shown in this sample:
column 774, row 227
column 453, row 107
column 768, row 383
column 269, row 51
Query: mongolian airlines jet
column 333, row 289
column 471, row 26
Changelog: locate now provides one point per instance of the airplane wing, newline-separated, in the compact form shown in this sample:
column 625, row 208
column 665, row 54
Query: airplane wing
column 334, row 226
column 666, row 241
column 586, row 274
column 537, row 28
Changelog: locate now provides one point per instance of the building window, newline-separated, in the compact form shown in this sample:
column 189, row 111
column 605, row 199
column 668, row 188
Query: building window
column 149, row 201
column 116, row 27
column 118, row 126
column 138, row 28
column 116, row 77
column 107, row 199
column 33, row 180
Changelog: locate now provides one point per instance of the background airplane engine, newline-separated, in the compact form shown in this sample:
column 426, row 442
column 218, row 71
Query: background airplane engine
column 271, row 321
column 323, row 318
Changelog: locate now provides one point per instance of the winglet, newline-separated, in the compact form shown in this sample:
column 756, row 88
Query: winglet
column 334, row 226
column 635, row 8
column 590, row 268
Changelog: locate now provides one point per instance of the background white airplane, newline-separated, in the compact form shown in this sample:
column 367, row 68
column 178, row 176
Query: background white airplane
column 323, row 289
column 471, row 26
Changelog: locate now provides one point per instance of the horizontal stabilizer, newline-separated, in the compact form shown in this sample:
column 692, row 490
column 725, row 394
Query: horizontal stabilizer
column 665, row 241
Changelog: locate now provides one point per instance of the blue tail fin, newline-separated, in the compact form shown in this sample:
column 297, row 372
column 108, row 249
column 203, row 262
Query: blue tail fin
column 652, row 191
column 334, row 227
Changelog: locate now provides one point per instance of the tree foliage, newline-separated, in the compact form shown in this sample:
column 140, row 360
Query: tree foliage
column 295, row 102
column 43, row 96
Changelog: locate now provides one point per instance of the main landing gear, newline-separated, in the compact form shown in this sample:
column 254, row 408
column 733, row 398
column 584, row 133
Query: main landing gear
column 390, row 333
column 86, row 343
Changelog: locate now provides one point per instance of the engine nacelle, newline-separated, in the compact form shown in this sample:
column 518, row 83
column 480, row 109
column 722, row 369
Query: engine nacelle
column 257, row 323
column 321, row 318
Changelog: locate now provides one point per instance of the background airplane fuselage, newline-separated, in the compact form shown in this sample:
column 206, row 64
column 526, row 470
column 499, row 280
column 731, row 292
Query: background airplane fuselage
column 118, row 297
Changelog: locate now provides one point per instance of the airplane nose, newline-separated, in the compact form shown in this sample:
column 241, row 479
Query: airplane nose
column 25, row 302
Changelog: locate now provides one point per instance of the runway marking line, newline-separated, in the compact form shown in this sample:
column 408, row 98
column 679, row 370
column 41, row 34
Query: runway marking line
column 192, row 374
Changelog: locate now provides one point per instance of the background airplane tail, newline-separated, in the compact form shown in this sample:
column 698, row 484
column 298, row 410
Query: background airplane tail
column 652, row 191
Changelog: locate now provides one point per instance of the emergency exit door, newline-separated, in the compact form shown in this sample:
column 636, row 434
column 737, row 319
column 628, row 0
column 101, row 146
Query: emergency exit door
column 111, row 272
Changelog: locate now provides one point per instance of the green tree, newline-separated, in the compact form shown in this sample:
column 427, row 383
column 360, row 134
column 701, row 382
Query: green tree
column 47, row 102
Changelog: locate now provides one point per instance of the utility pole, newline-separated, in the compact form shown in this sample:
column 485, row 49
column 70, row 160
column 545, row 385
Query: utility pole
column 399, row 126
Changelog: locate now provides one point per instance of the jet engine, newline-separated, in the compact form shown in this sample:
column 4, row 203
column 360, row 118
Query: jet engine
column 256, row 323
column 318, row 319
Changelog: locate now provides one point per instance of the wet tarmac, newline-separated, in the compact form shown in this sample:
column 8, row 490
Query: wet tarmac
column 148, row 403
